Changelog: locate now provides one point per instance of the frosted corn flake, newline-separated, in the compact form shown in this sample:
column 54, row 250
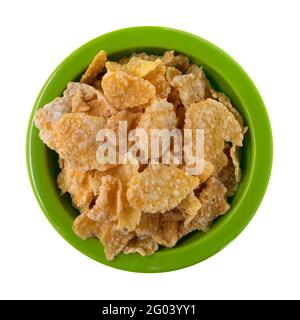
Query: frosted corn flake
column 227, row 174
column 143, row 245
column 159, row 188
column 86, row 228
column 162, row 231
column 191, row 86
column 189, row 207
column 214, row 204
column 219, row 125
column 85, row 98
column 94, row 68
column 158, row 79
column 47, row 117
column 125, row 91
column 75, row 138
column 109, row 200
column 221, row 97
column 159, row 115
column 78, row 184
column 128, row 217
column 114, row 240
column 180, row 62
column 171, row 73
column 136, row 66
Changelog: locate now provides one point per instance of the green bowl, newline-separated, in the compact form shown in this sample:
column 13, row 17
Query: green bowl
column 225, row 75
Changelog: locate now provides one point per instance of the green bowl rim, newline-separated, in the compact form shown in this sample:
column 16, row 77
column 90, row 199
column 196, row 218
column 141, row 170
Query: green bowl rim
column 261, row 166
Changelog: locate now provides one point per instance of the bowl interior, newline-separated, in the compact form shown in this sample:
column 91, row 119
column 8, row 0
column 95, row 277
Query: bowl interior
column 219, row 68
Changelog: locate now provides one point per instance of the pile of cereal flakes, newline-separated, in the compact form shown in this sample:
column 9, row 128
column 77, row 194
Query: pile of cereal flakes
column 131, row 207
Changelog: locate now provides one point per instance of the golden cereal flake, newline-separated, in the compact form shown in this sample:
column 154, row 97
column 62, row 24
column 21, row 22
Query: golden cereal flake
column 219, row 125
column 112, row 200
column 189, row 207
column 170, row 233
column 125, row 91
column 47, row 117
column 149, row 225
column 86, row 228
column 165, row 59
column 208, row 170
column 227, row 177
column 75, row 136
column 235, row 156
column 143, row 245
column 128, row 217
column 136, row 66
column 159, row 188
column 214, row 204
column 94, row 68
column 230, row 175
column 109, row 199
column 158, row 79
column 114, row 240
column 164, row 232
column 171, row 73
column 159, row 115
column 85, row 98
column 221, row 97
column 78, row 184
column 180, row 62
column 191, row 86
column 132, row 119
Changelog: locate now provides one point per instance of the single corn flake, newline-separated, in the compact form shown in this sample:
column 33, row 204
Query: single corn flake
column 94, row 68
column 163, row 232
column 159, row 188
column 165, row 59
column 158, row 79
column 114, row 240
column 85, row 98
column 143, row 245
column 171, row 73
column 180, row 62
column 47, row 117
column 214, row 204
column 109, row 200
column 136, row 66
column 221, row 97
column 128, row 217
column 170, row 233
column 125, row 91
column 75, row 137
column 191, row 86
column 86, row 228
column 227, row 174
column 219, row 125
column 235, row 156
column 112, row 201
column 159, row 115
column 189, row 207
column 78, row 184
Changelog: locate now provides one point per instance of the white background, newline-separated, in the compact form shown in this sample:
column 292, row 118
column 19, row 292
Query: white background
column 263, row 262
